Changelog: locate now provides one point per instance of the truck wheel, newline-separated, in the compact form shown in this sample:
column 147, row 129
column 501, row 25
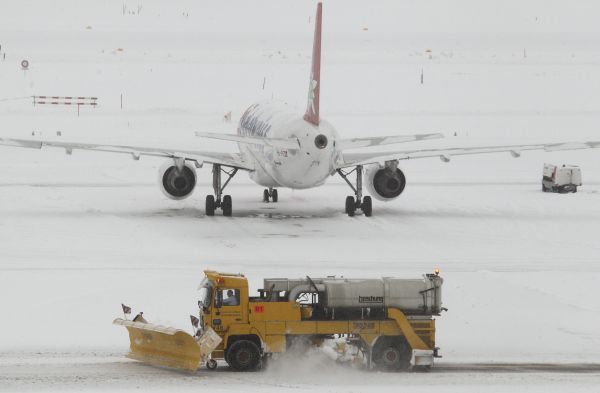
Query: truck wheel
column 391, row 354
column 243, row 355
column 211, row 364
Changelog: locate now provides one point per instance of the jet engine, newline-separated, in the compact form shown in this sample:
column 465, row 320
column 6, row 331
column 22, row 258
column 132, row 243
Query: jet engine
column 177, row 183
column 385, row 182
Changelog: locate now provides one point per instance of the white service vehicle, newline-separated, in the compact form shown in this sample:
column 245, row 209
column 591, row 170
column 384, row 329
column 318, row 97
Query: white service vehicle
column 561, row 179
column 281, row 148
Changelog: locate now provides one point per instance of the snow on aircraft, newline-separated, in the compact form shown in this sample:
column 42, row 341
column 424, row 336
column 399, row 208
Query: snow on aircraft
column 279, row 148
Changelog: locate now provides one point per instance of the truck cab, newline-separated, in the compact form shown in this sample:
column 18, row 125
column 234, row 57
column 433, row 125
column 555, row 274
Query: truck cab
column 223, row 302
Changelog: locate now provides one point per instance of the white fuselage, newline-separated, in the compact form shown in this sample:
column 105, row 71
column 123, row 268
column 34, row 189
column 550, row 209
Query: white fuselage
column 303, row 167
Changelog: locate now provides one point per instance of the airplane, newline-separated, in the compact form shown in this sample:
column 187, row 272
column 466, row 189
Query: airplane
column 279, row 148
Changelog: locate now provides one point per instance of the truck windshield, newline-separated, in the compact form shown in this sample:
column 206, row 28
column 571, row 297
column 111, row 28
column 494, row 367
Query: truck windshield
column 204, row 297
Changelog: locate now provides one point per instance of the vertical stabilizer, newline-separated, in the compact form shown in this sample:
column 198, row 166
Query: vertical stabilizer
column 314, row 86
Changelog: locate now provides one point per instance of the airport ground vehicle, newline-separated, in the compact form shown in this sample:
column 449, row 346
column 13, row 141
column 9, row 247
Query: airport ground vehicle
column 561, row 179
column 388, row 321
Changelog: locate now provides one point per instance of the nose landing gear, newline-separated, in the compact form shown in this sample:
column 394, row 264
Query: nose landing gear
column 270, row 194
column 213, row 202
column 358, row 202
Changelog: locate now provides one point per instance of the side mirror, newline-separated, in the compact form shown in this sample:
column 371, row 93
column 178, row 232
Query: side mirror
column 219, row 299
column 202, row 307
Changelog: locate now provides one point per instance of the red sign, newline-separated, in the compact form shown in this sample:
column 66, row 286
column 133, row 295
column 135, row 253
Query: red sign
column 259, row 309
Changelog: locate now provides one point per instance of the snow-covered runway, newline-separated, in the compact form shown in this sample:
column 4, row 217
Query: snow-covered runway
column 102, row 372
column 518, row 279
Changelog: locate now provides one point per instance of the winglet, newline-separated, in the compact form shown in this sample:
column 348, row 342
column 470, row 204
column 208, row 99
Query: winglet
column 314, row 86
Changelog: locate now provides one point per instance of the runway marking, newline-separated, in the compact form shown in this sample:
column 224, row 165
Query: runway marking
column 517, row 367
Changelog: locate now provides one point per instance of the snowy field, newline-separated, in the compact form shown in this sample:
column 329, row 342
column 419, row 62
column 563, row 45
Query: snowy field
column 80, row 234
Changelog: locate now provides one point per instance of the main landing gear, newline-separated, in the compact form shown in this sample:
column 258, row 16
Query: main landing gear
column 270, row 194
column 352, row 204
column 213, row 202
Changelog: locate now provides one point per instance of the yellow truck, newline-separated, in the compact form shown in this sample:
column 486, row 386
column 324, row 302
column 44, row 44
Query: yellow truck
column 388, row 321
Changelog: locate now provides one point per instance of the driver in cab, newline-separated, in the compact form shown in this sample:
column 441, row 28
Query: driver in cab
column 232, row 299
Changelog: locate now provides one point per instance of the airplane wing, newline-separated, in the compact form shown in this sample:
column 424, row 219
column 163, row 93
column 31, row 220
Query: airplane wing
column 352, row 159
column 283, row 143
column 344, row 144
column 227, row 159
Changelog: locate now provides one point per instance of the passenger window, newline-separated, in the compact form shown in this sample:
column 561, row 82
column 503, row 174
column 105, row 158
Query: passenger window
column 231, row 297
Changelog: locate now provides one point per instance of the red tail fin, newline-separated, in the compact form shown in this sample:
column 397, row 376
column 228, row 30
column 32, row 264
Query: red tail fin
column 314, row 86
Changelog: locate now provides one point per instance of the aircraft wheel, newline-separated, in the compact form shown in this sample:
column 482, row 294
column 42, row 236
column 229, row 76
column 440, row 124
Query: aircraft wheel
column 274, row 197
column 367, row 206
column 350, row 206
column 210, row 205
column 266, row 195
column 227, row 206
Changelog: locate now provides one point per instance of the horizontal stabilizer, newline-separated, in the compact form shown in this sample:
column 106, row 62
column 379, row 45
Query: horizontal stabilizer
column 289, row 143
column 355, row 143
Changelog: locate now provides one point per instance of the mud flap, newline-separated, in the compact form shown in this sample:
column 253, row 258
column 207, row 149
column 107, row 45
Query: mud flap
column 421, row 357
column 169, row 347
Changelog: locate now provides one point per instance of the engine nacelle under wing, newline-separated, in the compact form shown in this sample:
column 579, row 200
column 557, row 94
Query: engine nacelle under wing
column 384, row 183
column 177, row 183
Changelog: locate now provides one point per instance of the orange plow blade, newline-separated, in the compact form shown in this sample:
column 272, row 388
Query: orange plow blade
column 169, row 347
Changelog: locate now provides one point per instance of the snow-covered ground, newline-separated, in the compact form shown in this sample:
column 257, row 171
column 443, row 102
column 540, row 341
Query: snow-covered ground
column 80, row 234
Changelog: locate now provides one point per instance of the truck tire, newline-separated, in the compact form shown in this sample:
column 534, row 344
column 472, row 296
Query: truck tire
column 243, row 355
column 391, row 354
column 211, row 364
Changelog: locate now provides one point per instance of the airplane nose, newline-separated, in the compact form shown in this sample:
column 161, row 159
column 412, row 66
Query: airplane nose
column 321, row 141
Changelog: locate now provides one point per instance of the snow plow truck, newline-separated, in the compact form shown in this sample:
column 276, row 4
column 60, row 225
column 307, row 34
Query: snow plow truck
column 388, row 321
